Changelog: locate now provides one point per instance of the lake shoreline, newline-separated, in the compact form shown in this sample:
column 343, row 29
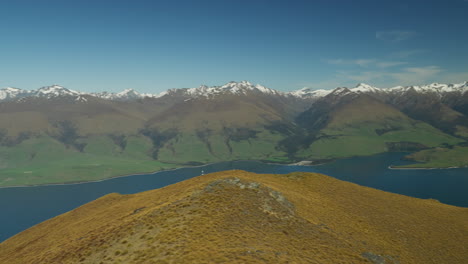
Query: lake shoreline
column 391, row 167
column 101, row 180
column 310, row 163
column 148, row 173
column 44, row 202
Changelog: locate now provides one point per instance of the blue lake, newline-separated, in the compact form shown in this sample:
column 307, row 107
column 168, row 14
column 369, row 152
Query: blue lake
column 23, row 207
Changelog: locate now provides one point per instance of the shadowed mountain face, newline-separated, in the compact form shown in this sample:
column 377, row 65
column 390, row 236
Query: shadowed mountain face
column 447, row 112
column 68, row 136
column 345, row 123
column 241, row 217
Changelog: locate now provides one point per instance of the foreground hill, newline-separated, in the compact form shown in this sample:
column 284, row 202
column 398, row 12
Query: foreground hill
column 241, row 217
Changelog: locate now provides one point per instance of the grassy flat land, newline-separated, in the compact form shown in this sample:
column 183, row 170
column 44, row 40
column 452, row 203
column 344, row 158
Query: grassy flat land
column 439, row 158
column 45, row 160
column 240, row 217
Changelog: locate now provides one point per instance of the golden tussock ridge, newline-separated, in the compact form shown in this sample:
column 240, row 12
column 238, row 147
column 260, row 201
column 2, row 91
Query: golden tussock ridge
column 241, row 217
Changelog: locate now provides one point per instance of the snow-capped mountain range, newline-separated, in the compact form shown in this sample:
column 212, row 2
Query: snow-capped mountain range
column 433, row 89
column 234, row 88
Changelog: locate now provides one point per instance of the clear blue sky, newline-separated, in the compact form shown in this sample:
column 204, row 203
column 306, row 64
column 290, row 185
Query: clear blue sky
column 155, row 45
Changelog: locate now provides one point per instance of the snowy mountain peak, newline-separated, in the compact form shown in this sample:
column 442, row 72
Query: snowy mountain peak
column 128, row 92
column 54, row 87
column 309, row 93
column 340, row 91
column 232, row 88
column 10, row 93
column 11, row 89
column 236, row 84
column 54, row 91
column 365, row 88
column 363, row 85
column 438, row 89
column 237, row 88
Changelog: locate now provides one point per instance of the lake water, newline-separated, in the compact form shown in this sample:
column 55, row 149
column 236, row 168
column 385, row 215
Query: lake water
column 23, row 207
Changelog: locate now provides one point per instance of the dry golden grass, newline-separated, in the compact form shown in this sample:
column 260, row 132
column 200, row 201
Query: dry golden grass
column 241, row 217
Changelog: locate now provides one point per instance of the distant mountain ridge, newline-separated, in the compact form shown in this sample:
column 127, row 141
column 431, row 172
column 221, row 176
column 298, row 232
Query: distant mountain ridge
column 234, row 88
column 54, row 134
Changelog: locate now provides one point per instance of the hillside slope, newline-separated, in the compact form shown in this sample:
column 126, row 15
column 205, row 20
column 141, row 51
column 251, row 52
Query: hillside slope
column 241, row 217
column 57, row 135
column 346, row 123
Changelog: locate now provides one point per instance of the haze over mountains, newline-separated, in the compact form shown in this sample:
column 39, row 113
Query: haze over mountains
column 57, row 133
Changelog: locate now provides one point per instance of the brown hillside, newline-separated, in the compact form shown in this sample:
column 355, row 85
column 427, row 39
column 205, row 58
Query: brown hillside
column 364, row 109
column 215, row 114
column 97, row 116
column 241, row 217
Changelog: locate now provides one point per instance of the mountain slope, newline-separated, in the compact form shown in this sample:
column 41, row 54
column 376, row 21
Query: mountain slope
column 430, row 106
column 347, row 123
column 100, row 132
column 103, row 138
column 241, row 217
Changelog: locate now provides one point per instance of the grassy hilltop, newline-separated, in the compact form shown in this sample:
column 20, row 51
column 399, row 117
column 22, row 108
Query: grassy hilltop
column 241, row 217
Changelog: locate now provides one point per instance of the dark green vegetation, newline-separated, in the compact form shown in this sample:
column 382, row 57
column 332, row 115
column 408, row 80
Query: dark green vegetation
column 61, row 140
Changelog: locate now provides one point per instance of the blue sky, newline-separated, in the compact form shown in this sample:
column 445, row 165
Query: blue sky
column 152, row 46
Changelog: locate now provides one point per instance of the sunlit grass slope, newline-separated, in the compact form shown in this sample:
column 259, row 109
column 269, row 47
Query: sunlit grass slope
column 365, row 126
column 240, row 217
column 44, row 160
column 439, row 158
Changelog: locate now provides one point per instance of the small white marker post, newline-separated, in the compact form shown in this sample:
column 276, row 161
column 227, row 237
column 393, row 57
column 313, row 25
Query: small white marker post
column 202, row 172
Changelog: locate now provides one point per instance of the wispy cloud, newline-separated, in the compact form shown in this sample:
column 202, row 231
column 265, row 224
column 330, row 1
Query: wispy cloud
column 404, row 76
column 394, row 35
column 388, row 64
column 416, row 75
column 366, row 63
column 387, row 72
column 357, row 77
column 382, row 77
column 404, row 54
column 359, row 62
column 454, row 77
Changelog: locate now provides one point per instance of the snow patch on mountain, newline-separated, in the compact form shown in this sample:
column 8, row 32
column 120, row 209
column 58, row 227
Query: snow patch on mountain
column 127, row 94
column 340, row 91
column 365, row 88
column 10, row 93
column 54, row 91
column 234, row 88
column 309, row 93
column 433, row 88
